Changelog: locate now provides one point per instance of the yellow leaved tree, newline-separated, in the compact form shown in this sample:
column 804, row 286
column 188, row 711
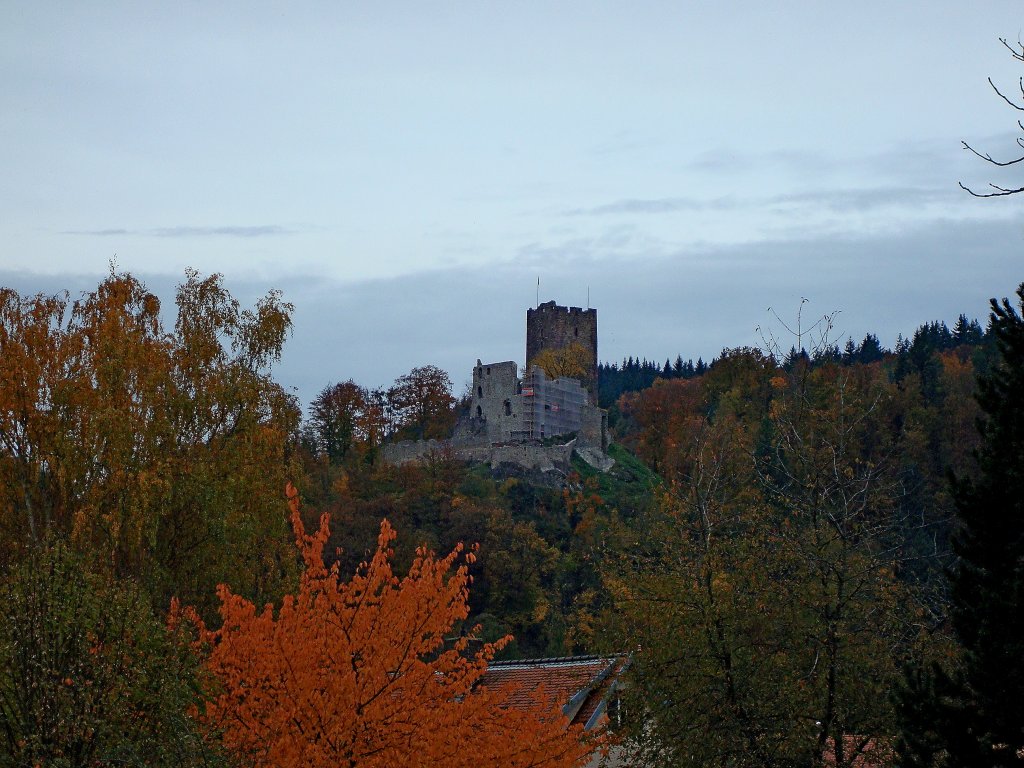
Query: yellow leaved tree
column 573, row 361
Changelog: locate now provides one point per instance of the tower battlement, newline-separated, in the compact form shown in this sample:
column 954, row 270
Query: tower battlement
column 550, row 326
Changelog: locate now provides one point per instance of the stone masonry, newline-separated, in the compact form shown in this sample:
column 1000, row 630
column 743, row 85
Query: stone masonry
column 513, row 420
column 550, row 326
column 506, row 409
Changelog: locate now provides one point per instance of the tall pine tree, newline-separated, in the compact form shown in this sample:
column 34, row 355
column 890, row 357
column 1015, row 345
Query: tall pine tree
column 973, row 715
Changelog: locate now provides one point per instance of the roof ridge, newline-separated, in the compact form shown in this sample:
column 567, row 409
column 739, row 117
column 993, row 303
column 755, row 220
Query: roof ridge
column 552, row 660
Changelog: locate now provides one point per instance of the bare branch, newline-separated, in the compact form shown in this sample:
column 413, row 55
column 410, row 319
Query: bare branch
column 989, row 159
column 999, row 93
column 1018, row 55
column 1001, row 191
column 1017, row 51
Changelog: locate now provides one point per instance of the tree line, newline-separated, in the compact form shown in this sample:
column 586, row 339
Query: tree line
column 346, row 417
column 913, row 353
column 778, row 546
column 831, row 573
column 164, row 603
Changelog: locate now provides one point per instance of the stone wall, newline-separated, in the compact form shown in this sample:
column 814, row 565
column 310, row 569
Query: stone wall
column 551, row 407
column 505, row 409
column 594, row 428
column 508, row 416
column 497, row 406
column 550, row 326
column 527, row 455
column 543, row 457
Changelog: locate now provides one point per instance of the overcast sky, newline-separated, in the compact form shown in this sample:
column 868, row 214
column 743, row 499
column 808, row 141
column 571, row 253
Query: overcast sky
column 405, row 172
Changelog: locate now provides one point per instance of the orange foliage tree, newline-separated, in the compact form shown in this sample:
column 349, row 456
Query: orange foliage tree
column 357, row 674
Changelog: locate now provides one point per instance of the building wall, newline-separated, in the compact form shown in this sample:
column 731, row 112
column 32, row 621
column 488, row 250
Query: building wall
column 550, row 326
column 508, row 418
column 593, row 431
column 527, row 455
column 507, row 410
column 497, row 404
column 551, row 406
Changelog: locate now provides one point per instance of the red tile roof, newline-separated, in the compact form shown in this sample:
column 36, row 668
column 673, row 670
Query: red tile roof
column 866, row 752
column 579, row 684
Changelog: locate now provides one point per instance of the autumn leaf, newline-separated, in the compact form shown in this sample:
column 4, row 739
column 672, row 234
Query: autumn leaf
column 359, row 672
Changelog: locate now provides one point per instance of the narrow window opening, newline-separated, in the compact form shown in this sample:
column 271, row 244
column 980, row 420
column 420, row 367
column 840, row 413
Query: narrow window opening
column 480, row 392
column 479, row 412
column 508, row 408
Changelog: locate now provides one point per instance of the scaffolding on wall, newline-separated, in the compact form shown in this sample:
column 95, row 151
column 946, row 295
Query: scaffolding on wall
column 551, row 406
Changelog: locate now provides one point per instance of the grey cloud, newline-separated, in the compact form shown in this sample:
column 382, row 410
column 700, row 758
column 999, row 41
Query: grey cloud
column 904, row 174
column 265, row 230
column 873, row 198
column 836, row 200
column 653, row 205
column 926, row 162
column 715, row 162
column 654, row 299
column 96, row 232
column 729, row 161
column 260, row 230
column 624, row 142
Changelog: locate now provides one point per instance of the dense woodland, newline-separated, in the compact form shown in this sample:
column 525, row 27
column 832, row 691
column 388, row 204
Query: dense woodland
column 784, row 547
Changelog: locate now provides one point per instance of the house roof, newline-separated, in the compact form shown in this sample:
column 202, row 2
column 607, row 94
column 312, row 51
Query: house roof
column 579, row 684
column 867, row 752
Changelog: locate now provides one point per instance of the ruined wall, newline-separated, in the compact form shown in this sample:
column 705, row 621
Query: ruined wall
column 527, row 455
column 593, row 431
column 496, row 404
column 509, row 417
column 544, row 458
column 551, row 406
column 410, row 450
column 505, row 409
column 550, row 326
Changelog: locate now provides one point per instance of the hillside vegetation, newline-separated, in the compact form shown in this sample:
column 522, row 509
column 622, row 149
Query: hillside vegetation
column 773, row 548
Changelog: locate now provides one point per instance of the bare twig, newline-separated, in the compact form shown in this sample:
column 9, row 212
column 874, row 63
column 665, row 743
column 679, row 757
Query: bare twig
column 1018, row 55
column 1017, row 51
column 989, row 159
column 1002, row 96
column 1001, row 192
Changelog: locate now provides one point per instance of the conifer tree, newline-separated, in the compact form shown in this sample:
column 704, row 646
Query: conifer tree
column 870, row 349
column 973, row 715
column 849, row 352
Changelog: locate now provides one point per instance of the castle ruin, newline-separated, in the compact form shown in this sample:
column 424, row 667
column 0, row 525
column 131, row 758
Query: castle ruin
column 519, row 420
column 507, row 409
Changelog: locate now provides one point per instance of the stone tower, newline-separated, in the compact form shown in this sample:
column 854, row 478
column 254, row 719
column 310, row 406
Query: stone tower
column 550, row 326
